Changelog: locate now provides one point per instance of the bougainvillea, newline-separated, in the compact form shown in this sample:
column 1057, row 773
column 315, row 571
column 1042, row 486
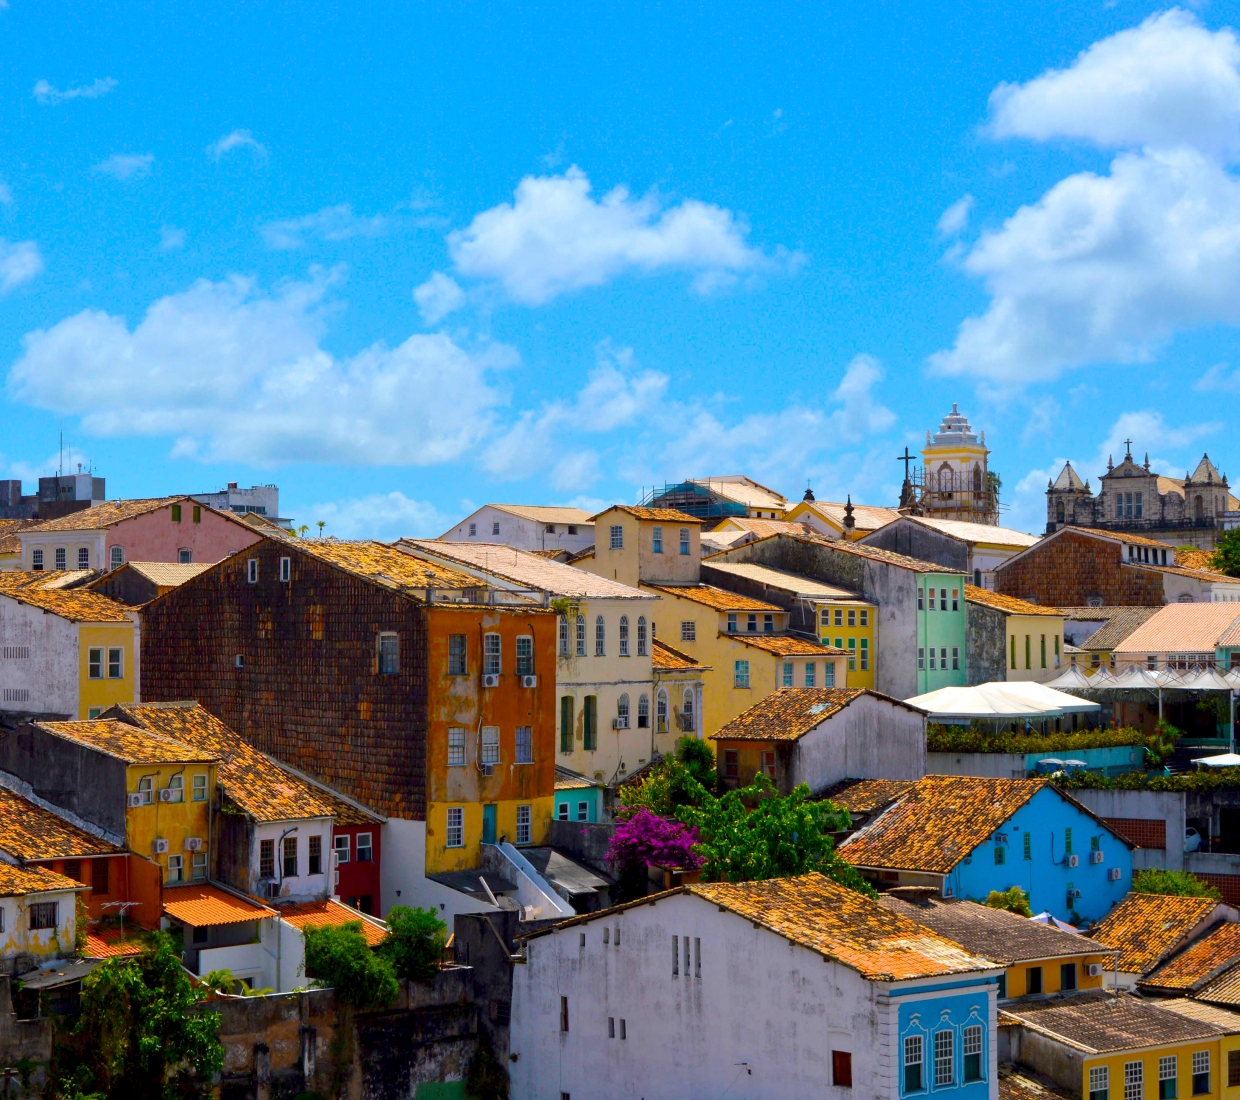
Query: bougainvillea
column 646, row 838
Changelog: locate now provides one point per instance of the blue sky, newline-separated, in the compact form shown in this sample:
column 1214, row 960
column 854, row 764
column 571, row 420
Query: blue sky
column 405, row 259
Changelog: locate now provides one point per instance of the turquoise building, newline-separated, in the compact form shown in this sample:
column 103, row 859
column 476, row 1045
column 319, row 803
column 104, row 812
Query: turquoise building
column 940, row 631
column 577, row 798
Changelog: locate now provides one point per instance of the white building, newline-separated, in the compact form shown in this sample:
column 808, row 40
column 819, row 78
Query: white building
column 787, row 988
column 526, row 527
column 263, row 500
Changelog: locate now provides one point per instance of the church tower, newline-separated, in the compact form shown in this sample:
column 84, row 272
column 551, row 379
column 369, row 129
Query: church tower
column 955, row 478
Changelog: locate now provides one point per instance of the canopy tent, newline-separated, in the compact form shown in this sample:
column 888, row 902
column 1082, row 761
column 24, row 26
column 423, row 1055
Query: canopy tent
column 999, row 700
column 1048, row 696
column 1223, row 760
column 1054, row 922
column 1072, row 680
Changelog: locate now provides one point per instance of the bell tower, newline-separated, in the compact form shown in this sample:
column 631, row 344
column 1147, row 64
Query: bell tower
column 955, row 481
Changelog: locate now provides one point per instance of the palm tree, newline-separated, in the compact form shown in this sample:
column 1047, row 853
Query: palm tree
column 321, row 524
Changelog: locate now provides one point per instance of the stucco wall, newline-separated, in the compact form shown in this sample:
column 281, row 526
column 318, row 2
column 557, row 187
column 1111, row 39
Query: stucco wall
column 521, row 534
column 915, row 541
column 869, row 739
column 49, row 676
column 404, row 880
column 985, row 644
column 1168, row 806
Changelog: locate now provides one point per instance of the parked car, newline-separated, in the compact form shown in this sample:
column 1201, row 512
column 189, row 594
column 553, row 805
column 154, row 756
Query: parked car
column 1192, row 840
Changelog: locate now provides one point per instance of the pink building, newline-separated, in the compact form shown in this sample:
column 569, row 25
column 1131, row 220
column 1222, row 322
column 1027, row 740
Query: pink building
column 166, row 529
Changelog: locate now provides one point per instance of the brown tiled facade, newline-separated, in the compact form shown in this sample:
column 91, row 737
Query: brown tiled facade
column 1073, row 569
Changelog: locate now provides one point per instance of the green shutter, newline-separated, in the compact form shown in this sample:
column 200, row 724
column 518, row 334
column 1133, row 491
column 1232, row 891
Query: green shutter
column 566, row 723
column 591, row 723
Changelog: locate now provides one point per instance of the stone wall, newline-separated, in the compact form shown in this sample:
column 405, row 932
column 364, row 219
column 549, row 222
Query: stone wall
column 985, row 644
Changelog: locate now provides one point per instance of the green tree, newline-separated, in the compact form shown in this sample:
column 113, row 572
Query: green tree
column 138, row 1034
column 1227, row 553
column 698, row 760
column 754, row 833
column 1182, row 884
column 338, row 956
column 415, row 942
column 1013, row 899
column 668, row 787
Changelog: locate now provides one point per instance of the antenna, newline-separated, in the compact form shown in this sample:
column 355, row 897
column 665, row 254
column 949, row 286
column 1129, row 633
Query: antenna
column 60, row 465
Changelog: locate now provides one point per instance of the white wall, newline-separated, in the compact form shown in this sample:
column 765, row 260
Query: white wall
column 869, row 739
column 303, row 887
column 72, row 541
column 523, row 534
column 403, row 874
column 50, row 673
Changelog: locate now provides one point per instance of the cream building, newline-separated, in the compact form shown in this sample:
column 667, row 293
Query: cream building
column 840, row 521
column 607, row 708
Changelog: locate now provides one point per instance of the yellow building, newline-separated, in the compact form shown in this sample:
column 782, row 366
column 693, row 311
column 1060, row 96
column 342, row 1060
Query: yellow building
column 156, row 791
column 38, row 914
column 1103, row 1044
column 1033, row 638
column 633, row 544
column 65, row 650
column 679, row 693
column 840, row 521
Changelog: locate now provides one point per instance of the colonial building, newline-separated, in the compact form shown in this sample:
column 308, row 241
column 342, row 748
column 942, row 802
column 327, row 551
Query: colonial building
column 954, row 481
column 977, row 549
column 1132, row 498
column 532, row 527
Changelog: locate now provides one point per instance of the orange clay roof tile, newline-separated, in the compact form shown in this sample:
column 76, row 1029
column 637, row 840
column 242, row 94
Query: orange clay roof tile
column 29, row 832
column 1146, row 928
column 667, row 515
column 666, row 659
column 203, row 905
column 128, row 743
column 864, row 796
column 75, row 604
column 383, row 564
column 330, row 911
column 718, row 598
column 787, row 714
column 1197, row 964
column 1009, row 604
column 108, row 944
column 786, row 645
column 20, row 881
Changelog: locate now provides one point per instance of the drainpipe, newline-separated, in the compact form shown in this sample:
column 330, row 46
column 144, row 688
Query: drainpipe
column 279, row 932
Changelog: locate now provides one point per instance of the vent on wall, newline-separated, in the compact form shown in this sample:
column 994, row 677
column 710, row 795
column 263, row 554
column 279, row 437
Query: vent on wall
column 17, row 695
column 16, row 652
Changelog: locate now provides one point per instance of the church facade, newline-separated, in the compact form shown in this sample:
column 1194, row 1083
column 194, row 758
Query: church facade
column 1188, row 511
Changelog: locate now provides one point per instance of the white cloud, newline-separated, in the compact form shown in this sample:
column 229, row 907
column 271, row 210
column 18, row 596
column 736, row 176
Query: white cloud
column 1104, row 268
column 45, row 93
column 20, row 261
column 123, row 166
column 237, row 139
column 68, row 461
column 860, row 416
column 956, row 216
column 1218, row 379
column 437, row 297
column 575, row 471
column 332, row 223
column 170, row 238
column 555, row 238
column 383, row 516
column 1167, row 82
column 6, row 194
column 237, row 373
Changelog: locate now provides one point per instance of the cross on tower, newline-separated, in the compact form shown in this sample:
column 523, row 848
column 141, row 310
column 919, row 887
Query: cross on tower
column 1127, row 447
column 906, row 458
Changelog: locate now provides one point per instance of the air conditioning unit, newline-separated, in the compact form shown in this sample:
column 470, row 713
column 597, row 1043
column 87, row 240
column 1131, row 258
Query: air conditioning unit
column 947, row 891
column 159, row 846
column 1000, row 838
column 134, row 800
column 165, row 795
column 1095, row 857
column 193, row 844
column 1094, row 970
column 1113, row 874
column 1074, row 860
column 529, row 681
column 620, row 723
column 487, row 769
column 490, row 680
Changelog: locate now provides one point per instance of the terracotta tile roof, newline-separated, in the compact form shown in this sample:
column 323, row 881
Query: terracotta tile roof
column 20, row 881
column 1148, row 927
column 1122, row 537
column 529, row 570
column 1009, row 604
column 993, row 933
column 257, row 784
column 866, row 517
column 787, row 714
column 1208, row 575
column 718, row 598
column 1119, row 623
column 128, row 743
column 1182, row 628
column 1224, row 990
column 30, row 832
column 1216, row 951
column 383, row 564
column 330, row 911
column 874, row 553
column 166, row 574
column 1201, row 560
column 759, row 527
column 107, row 513
column 805, row 587
column 785, row 645
column 975, row 533
column 107, row 943
column 203, row 905
column 1101, row 1022
column 743, row 490
column 1019, row 1083
column 1196, row 1010
column 568, row 780
column 939, row 822
column 545, row 513
column 75, row 604
column 666, row 659
column 10, row 538
column 667, row 515
column 843, row 926
column 865, row 796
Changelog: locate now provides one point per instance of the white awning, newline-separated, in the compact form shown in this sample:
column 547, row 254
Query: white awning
column 999, row 699
column 1046, row 696
column 1224, row 760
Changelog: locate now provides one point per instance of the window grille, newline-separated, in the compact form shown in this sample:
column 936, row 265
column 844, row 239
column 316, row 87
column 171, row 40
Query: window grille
column 581, row 635
column 972, row 1048
column 641, row 635
column 491, row 663
column 456, row 747
column 1099, row 1082
column 740, row 674
column 457, row 655
column 456, row 830
column 684, row 541
column 524, row 819
column 600, row 636
column 1134, row 1081
column 490, row 745
column 914, row 1057
column 525, row 745
column 643, row 712
column 944, row 1051
column 656, row 540
column 525, row 655
column 44, row 914
column 688, row 631
column 389, row 654
column 624, row 635
column 617, row 537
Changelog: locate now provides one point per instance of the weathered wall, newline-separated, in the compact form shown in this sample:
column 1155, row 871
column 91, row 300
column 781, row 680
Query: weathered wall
column 992, row 765
column 869, row 739
column 915, row 541
column 1055, row 1060
column 587, row 844
column 45, row 682
column 1165, row 806
column 1072, row 569
column 985, row 643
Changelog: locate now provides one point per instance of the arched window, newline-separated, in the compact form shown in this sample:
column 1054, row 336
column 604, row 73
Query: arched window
column 1059, row 511
column 563, row 635
column 660, row 711
column 641, row 635
column 643, row 712
column 117, row 556
column 945, row 479
column 977, row 477
column 581, row 635
column 600, row 637
column 1198, row 513
column 624, row 635
column 622, row 712
column 686, row 712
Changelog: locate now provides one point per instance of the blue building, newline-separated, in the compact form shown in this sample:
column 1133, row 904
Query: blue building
column 968, row 836
column 577, row 798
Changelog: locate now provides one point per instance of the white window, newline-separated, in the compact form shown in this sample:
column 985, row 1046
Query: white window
column 117, row 556
column 686, row 712
column 956, row 657
column 1099, row 1082
column 921, row 657
column 94, row 664
column 524, row 817
column 913, row 1060
column 1134, row 1081
column 525, row 745
column 1168, row 1070
column 561, row 814
column 490, row 744
column 660, row 711
column 62, row 559
column 622, row 711
column 525, row 655
column 83, row 558
column 581, row 635
column 943, row 658
column 473, row 530
column 176, row 868
column 198, row 870
column 563, row 640
column 177, row 786
column 341, row 845
column 656, row 540
column 389, row 654
column 456, row 827
column 251, row 571
column 944, row 1058
column 491, row 654
column 600, row 637
column 146, row 788
column 617, row 537
column 365, row 853
column 624, row 635
column 740, row 674
column 116, row 664
column 688, row 631
column 199, row 787
column 809, row 674
column 185, row 555
column 44, row 914
column 933, row 658
column 1201, row 1072
column 583, row 811
column 456, row 747
column 643, row 712
column 641, row 635
column 828, row 674
column 36, row 559
column 684, row 540
column 286, row 570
